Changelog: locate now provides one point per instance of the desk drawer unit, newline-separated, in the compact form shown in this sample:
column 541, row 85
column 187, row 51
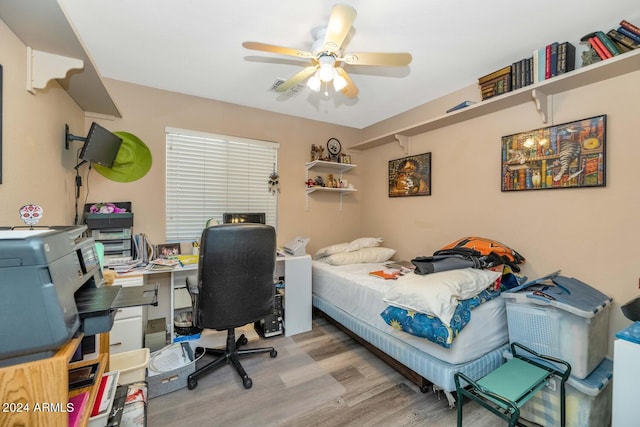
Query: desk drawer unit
column 127, row 331
column 125, row 335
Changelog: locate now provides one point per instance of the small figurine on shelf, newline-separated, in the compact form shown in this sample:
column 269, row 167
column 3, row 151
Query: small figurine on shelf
column 310, row 183
column 316, row 152
column 331, row 181
column 319, row 181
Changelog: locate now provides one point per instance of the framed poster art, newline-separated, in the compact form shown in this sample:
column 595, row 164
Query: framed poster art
column 569, row 155
column 410, row 176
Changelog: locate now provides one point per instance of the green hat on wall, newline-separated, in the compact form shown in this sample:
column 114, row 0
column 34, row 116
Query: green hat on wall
column 132, row 162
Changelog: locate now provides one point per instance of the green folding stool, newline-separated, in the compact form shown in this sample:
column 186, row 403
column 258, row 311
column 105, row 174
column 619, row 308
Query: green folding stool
column 507, row 388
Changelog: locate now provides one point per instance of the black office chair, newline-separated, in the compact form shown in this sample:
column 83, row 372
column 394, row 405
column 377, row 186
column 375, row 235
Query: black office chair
column 235, row 287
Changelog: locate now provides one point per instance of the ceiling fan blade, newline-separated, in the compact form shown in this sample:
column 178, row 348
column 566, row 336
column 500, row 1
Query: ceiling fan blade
column 299, row 77
column 350, row 90
column 377, row 58
column 340, row 21
column 277, row 49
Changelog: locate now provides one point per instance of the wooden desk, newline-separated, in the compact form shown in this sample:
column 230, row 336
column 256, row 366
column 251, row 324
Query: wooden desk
column 35, row 394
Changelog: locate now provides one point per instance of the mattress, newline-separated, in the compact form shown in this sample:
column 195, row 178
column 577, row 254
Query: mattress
column 351, row 289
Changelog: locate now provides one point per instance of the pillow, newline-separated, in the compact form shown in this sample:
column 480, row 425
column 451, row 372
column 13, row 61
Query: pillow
column 438, row 294
column 365, row 242
column 365, row 255
column 333, row 249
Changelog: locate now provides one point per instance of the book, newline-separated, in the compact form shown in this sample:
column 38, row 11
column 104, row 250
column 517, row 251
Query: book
column 602, row 53
column 622, row 39
column 78, row 403
column 608, row 44
column 566, row 57
column 630, row 27
column 553, row 67
column 460, row 106
column 547, row 62
column 541, row 63
column 622, row 48
column 82, row 376
column 96, row 403
column 496, row 74
column 633, row 36
column 391, row 274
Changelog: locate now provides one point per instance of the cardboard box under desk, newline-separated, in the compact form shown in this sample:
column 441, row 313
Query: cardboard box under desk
column 171, row 380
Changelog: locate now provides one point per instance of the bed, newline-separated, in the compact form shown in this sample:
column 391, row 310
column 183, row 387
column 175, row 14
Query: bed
column 350, row 296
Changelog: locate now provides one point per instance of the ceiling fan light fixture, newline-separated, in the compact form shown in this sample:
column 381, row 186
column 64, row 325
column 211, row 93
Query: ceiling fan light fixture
column 339, row 83
column 314, row 83
column 326, row 73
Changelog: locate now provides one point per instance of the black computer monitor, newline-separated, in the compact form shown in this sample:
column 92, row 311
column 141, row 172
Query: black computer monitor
column 100, row 146
column 234, row 218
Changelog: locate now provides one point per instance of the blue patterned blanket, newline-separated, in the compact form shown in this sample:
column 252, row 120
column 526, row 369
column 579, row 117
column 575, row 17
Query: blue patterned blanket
column 430, row 327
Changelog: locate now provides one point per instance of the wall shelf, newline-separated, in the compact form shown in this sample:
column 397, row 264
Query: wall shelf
column 340, row 167
column 331, row 190
column 332, row 167
column 540, row 93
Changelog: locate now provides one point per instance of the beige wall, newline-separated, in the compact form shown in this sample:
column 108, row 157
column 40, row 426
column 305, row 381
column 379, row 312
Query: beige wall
column 147, row 111
column 35, row 166
column 588, row 233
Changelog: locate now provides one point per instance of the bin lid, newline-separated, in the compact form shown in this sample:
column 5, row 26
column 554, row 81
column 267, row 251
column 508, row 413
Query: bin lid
column 596, row 381
column 630, row 333
column 565, row 293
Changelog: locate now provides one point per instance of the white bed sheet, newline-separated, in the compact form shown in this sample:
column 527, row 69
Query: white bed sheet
column 352, row 289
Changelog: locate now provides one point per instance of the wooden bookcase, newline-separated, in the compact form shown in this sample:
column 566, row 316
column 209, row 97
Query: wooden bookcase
column 35, row 394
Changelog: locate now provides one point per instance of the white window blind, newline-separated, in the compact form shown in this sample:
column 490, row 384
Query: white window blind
column 208, row 175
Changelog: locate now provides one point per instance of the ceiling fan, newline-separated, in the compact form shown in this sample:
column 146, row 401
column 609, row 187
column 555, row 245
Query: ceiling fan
column 327, row 56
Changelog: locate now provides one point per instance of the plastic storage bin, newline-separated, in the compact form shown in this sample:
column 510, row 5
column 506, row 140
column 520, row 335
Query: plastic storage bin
column 131, row 364
column 588, row 401
column 569, row 320
column 162, row 380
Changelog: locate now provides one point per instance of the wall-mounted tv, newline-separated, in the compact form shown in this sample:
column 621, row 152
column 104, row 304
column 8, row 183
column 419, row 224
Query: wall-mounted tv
column 233, row 218
column 100, row 146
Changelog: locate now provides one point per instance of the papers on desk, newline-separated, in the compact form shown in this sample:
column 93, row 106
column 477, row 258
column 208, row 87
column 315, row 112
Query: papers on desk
column 125, row 267
column 162, row 264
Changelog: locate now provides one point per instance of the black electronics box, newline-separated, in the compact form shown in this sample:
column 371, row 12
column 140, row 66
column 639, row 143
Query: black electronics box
column 109, row 220
column 271, row 325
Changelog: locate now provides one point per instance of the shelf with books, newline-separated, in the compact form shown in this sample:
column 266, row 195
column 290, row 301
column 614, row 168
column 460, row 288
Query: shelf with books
column 540, row 93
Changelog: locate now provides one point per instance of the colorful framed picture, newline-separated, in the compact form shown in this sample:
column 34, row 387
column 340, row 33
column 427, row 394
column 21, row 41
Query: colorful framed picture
column 167, row 250
column 410, row 176
column 569, row 155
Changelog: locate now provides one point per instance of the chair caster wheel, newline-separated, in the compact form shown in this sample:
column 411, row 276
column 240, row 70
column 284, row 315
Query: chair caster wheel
column 273, row 353
column 243, row 340
column 424, row 388
column 247, row 382
column 192, row 383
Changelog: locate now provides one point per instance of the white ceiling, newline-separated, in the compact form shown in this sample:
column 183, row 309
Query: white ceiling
column 195, row 46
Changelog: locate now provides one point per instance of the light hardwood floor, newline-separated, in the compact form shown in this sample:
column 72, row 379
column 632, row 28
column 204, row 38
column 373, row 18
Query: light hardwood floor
column 375, row 394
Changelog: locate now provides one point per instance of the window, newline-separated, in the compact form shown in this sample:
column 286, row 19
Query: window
column 208, row 175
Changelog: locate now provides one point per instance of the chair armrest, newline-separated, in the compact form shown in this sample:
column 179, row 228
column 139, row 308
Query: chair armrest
column 193, row 291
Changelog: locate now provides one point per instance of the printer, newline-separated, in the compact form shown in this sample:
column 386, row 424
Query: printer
column 52, row 288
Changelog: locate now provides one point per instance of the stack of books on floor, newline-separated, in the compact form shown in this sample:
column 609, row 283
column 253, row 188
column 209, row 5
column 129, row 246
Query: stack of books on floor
column 557, row 58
